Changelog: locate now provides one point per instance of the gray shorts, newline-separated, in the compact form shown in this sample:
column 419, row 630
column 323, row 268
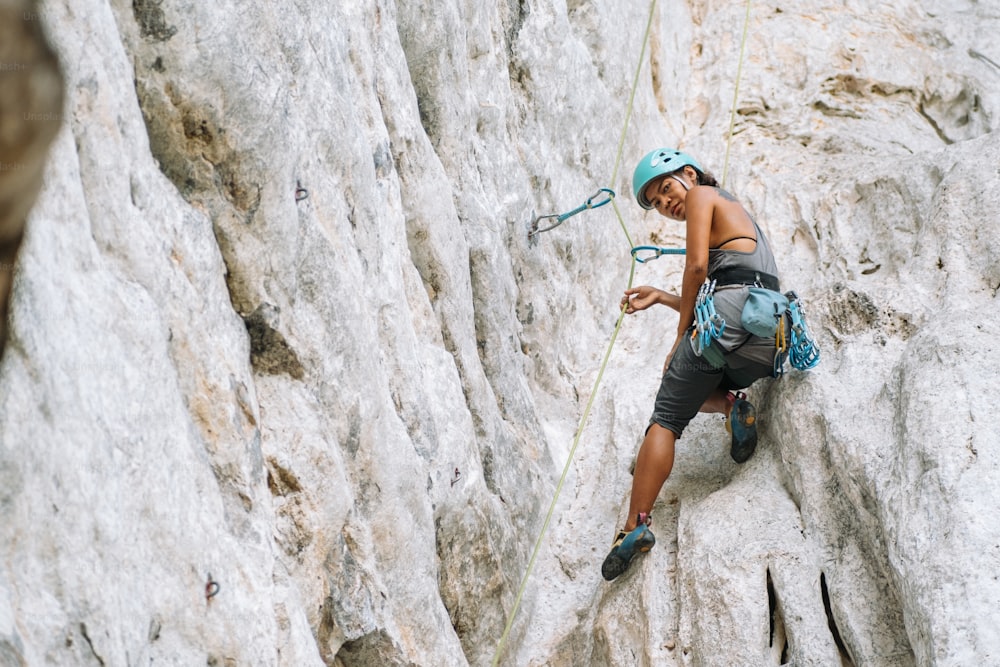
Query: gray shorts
column 689, row 379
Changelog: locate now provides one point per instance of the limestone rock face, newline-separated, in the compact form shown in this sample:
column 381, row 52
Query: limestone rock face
column 288, row 383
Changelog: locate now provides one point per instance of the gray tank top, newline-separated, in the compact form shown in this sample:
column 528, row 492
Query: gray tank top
column 729, row 301
column 759, row 259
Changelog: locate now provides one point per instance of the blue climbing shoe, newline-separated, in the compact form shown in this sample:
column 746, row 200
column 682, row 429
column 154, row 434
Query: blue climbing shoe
column 742, row 424
column 627, row 546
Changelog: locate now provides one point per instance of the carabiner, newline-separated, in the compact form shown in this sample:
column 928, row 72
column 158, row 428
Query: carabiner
column 561, row 218
column 657, row 252
column 534, row 225
column 610, row 195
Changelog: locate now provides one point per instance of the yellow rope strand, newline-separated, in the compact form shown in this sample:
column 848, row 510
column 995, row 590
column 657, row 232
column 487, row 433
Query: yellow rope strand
column 607, row 354
column 631, row 97
column 614, row 336
column 604, row 362
column 736, row 94
column 562, row 479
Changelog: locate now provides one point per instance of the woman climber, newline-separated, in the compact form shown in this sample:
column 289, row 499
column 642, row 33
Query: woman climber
column 725, row 246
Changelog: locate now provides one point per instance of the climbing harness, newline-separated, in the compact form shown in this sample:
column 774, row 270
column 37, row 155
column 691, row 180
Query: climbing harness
column 803, row 351
column 647, row 253
column 561, row 218
column 708, row 325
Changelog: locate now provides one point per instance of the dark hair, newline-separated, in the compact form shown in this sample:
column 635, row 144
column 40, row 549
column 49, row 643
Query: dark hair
column 706, row 178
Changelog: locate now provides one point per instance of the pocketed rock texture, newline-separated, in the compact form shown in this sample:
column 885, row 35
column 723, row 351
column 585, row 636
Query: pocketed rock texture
column 288, row 383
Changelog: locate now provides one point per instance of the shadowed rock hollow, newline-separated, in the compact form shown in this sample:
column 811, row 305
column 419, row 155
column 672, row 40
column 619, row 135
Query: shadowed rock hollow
column 287, row 384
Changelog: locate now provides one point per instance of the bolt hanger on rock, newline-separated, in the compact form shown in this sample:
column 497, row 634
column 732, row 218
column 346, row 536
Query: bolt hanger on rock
column 301, row 194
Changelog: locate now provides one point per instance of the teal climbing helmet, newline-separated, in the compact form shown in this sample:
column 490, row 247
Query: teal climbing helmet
column 658, row 163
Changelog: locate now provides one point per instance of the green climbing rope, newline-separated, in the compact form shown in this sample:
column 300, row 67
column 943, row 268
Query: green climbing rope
column 604, row 363
column 736, row 94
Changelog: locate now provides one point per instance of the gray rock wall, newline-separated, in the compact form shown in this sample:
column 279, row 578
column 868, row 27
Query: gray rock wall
column 288, row 384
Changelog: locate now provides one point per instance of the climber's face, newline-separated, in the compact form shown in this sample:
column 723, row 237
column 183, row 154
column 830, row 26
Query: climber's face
column 667, row 194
